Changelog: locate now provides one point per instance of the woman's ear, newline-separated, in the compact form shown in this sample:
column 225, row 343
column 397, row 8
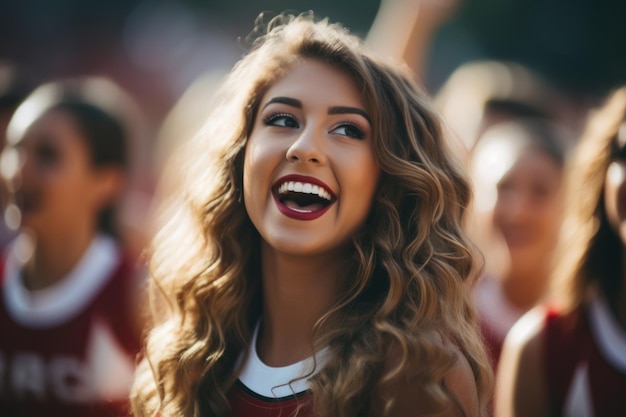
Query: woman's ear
column 107, row 185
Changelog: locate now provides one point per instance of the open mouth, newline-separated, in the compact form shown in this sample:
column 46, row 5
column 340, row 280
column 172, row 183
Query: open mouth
column 26, row 202
column 302, row 198
column 517, row 238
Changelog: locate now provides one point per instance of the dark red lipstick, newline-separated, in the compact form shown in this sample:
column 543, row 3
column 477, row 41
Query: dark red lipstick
column 302, row 214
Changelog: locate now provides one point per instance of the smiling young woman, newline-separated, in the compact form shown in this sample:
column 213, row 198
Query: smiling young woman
column 320, row 136
column 316, row 264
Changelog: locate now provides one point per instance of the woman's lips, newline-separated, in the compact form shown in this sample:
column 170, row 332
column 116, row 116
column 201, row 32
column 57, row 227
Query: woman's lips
column 26, row 202
column 303, row 187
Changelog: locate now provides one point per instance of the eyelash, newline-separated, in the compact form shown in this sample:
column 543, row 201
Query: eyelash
column 360, row 132
column 269, row 120
column 272, row 118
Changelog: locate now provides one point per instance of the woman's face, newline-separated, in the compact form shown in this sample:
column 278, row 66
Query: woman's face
column 529, row 206
column 615, row 189
column 53, row 184
column 310, row 172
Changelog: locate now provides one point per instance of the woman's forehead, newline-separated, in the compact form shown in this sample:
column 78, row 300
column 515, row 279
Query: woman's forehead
column 302, row 76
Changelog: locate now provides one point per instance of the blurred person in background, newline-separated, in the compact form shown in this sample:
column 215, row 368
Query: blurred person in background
column 68, row 290
column 567, row 357
column 482, row 93
column 478, row 93
column 517, row 169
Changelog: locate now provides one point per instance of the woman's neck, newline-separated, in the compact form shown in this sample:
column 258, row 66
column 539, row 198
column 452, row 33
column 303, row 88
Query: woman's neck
column 52, row 259
column 524, row 287
column 297, row 291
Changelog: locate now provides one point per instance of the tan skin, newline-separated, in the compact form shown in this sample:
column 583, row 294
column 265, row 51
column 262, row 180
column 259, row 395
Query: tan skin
column 302, row 260
column 412, row 400
column 403, row 29
column 59, row 195
column 297, row 292
column 527, row 214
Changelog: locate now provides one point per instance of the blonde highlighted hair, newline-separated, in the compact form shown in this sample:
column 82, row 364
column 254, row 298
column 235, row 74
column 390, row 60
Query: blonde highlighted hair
column 591, row 251
column 412, row 262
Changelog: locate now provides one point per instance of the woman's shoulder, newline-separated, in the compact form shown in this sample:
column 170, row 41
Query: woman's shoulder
column 527, row 331
column 524, row 343
column 521, row 384
column 415, row 397
column 461, row 382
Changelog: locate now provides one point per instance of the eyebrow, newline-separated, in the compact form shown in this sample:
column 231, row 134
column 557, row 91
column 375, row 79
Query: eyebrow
column 331, row 110
column 349, row 110
column 285, row 100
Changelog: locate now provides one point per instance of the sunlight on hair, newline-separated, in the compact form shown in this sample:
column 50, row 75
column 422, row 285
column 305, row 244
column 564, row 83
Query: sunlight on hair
column 615, row 173
column 29, row 111
column 109, row 96
column 9, row 163
column 489, row 164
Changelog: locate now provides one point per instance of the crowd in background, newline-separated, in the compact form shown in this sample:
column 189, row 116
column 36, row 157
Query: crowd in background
column 87, row 173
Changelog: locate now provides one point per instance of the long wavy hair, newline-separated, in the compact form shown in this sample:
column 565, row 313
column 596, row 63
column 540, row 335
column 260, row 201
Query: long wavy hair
column 412, row 262
column 591, row 250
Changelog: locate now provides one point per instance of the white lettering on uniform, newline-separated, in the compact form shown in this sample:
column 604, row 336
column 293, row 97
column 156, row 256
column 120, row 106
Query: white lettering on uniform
column 28, row 376
column 70, row 380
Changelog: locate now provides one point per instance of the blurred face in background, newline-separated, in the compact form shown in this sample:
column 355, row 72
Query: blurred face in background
column 53, row 184
column 518, row 197
column 529, row 206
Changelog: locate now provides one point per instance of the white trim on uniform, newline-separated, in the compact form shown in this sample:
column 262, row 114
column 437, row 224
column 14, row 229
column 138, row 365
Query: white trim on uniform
column 494, row 308
column 579, row 402
column 62, row 301
column 278, row 382
column 609, row 335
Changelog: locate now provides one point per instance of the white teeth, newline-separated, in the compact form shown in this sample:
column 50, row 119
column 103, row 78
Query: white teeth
column 305, row 188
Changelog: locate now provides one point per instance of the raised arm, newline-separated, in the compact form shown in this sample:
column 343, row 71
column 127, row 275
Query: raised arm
column 403, row 29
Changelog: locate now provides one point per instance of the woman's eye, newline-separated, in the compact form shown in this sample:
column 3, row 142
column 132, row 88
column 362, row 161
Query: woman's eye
column 281, row 120
column 350, row 130
column 47, row 155
column 505, row 188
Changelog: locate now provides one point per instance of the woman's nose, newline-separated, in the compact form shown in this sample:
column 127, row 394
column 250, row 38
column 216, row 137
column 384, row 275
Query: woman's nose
column 308, row 147
column 518, row 207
